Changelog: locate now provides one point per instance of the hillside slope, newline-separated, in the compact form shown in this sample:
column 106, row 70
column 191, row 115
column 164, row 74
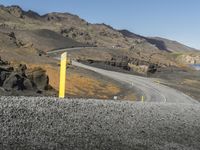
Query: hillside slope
column 160, row 43
column 69, row 25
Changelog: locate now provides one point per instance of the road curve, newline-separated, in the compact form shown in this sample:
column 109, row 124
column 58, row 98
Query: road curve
column 153, row 92
column 68, row 49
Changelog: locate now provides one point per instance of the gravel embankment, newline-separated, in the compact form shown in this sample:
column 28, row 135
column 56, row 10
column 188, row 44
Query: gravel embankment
column 49, row 123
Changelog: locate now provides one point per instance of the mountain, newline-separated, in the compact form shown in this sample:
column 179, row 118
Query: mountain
column 67, row 25
column 27, row 30
column 72, row 26
column 160, row 43
column 175, row 46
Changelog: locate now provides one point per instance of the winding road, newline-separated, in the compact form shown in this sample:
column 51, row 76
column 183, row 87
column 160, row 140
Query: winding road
column 152, row 91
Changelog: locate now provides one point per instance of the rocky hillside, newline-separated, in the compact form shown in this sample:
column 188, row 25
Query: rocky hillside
column 160, row 43
column 35, row 34
column 73, row 27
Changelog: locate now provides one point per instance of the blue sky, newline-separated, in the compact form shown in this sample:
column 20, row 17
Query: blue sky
column 174, row 19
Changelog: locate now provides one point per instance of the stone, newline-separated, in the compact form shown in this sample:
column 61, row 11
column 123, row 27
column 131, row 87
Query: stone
column 40, row 79
column 28, row 84
column 152, row 68
column 14, row 81
column 21, row 70
column 3, row 76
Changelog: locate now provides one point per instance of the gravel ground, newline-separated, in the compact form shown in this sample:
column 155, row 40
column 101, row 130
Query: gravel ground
column 50, row 123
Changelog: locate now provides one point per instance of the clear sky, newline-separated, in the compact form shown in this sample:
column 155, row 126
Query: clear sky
column 174, row 19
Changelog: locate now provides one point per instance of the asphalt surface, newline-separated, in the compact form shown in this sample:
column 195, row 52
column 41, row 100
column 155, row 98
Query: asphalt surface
column 152, row 91
column 68, row 49
column 49, row 123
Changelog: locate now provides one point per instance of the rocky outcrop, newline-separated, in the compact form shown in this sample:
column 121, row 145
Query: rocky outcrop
column 39, row 78
column 15, row 11
column 129, row 64
column 18, row 42
column 152, row 68
column 189, row 59
column 17, row 79
column 134, row 64
column 78, row 34
column 120, row 61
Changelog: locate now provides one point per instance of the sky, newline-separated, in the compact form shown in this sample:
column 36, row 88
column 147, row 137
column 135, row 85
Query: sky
column 174, row 19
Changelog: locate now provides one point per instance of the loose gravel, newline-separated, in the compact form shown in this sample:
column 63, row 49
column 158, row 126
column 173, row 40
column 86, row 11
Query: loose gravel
column 77, row 124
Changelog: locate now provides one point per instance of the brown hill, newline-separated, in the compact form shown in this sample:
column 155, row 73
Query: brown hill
column 160, row 43
column 69, row 25
column 26, row 36
column 174, row 46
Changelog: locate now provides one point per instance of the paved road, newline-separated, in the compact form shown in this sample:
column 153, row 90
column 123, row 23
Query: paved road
column 152, row 91
column 31, row 123
column 68, row 49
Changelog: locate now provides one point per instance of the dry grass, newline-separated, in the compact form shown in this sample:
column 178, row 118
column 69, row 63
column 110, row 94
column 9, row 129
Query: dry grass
column 78, row 85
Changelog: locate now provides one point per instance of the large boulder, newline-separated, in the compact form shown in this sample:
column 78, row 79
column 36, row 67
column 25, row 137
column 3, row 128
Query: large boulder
column 152, row 68
column 40, row 79
column 17, row 80
column 14, row 82
column 21, row 70
column 5, row 71
column 3, row 76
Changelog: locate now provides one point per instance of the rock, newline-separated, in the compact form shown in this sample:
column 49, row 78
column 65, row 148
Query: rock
column 14, row 81
column 3, row 76
column 20, row 43
column 5, row 71
column 17, row 82
column 3, row 62
column 28, row 84
column 40, row 79
column 40, row 53
column 15, row 11
column 121, row 62
column 21, row 70
column 152, row 68
column 141, row 69
column 189, row 59
column 12, row 35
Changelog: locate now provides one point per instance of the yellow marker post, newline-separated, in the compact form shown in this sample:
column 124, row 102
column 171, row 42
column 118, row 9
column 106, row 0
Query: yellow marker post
column 63, row 67
column 142, row 98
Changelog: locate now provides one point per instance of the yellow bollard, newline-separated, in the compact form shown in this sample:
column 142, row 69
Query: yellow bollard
column 142, row 98
column 63, row 67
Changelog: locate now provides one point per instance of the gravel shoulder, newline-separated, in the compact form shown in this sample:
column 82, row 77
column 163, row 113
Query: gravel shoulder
column 49, row 123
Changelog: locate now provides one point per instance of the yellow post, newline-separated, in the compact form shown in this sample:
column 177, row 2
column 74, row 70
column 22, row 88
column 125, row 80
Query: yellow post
column 63, row 67
column 142, row 98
